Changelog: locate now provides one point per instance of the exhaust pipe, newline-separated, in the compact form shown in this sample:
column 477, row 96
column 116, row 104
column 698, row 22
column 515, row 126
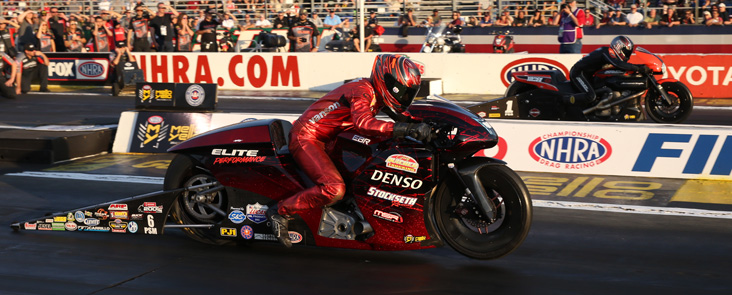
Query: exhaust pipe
column 602, row 105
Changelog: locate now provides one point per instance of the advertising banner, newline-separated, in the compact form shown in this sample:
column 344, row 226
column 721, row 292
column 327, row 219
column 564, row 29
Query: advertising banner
column 156, row 132
column 91, row 67
column 175, row 96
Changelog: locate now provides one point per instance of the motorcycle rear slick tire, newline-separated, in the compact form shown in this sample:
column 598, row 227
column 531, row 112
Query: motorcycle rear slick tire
column 509, row 230
column 660, row 112
column 182, row 172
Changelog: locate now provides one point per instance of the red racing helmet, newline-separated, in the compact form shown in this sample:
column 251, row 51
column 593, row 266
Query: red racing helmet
column 396, row 79
column 623, row 47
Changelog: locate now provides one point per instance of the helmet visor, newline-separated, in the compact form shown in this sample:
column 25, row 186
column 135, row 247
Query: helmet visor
column 404, row 95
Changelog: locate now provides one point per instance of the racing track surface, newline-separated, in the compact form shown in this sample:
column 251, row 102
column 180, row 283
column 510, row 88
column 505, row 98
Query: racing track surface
column 567, row 251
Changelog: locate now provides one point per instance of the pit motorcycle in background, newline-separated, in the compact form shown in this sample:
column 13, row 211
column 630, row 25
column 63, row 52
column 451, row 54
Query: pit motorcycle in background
column 441, row 39
column 402, row 194
column 503, row 43
column 548, row 95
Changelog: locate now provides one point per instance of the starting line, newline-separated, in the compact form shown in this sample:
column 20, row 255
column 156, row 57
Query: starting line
column 648, row 210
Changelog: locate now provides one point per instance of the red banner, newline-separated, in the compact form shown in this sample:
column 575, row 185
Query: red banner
column 707, row 76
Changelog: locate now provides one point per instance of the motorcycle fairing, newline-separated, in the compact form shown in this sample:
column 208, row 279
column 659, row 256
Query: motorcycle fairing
column 503, row 107
column 540, row 79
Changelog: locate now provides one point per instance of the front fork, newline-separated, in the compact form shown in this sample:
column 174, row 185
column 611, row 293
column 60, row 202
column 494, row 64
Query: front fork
column 660, row 90
column 487, row 208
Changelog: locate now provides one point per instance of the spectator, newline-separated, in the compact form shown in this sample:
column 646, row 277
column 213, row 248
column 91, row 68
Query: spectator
column 101, row 35
column 521, row 20
column 436, row 18
column 472, row 22
column 262, row 22
column 162, row 27
column 456, row 20
column 670, row 19
column 553, row 19
column 280, row 22
column 589, row 19
column 207, row 29
column 616, row 4
column 407, row 20
column 245, row 24
column 618, row 19
column 6, row 39
column 45, row 38
column 652, row 19
column 508, row 16
column 301, row 35
column 33, row 66
column 138, row 35
column 570, row 28
column 503, row 21
column 28, row 26
column 367, row 36
column 634, row 17
column 537, row 20
column 74, row 38
column 57, row 24
column 7, row 63
column 688, row 19
column 605, row 20
column 715, row 19
column 332, row 21
column 707, row 16
column 427, row 22
column 121, row 56
column 184, row 33
column 724, row 14
column 372, row 21
column 487, row 20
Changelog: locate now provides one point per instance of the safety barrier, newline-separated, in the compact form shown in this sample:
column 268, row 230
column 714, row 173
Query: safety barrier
column 665, row 151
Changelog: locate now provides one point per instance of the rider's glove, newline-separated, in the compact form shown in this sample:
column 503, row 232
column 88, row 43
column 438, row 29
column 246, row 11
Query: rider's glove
column 418, row 131
column 644, row 69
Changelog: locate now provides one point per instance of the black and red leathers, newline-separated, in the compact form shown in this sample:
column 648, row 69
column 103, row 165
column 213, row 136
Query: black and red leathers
column 351, row 106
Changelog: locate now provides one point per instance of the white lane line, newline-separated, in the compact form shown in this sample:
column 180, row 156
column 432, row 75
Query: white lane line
column 537, row 203
column 92, row 177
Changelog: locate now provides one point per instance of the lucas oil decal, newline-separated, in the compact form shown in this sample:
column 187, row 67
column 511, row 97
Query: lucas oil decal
column 402, row 162
column 256, row 212
column 570, row 150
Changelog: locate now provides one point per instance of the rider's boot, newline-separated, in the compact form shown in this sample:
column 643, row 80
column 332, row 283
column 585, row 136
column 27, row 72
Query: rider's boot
column 279, row 226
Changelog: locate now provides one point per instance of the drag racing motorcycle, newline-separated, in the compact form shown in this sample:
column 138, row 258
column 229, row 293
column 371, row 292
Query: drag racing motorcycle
column 402, row 194
column 548, row 95
column 440, row 39
column 503, row 43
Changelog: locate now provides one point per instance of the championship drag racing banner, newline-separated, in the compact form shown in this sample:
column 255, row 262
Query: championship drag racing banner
column 623, row 149
column 707, row 76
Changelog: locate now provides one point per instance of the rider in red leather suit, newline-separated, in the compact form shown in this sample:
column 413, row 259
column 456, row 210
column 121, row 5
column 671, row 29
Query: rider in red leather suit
column 393, row 85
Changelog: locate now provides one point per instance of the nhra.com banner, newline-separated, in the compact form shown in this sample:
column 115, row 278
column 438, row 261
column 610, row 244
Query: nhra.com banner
column 93, row 67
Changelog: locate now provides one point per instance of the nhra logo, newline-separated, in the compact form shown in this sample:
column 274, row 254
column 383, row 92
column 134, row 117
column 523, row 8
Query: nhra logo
column 91, row 69
column 570, row 150
column 530, row 64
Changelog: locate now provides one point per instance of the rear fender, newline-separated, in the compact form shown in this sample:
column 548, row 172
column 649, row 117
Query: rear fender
column 541, row 81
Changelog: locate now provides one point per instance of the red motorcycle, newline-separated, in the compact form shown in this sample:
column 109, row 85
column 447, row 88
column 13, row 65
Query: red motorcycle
column 402, row 194
column 503, row 43
column 548, row 95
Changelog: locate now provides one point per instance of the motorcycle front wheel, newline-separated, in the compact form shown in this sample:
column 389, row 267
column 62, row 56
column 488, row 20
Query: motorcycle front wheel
column 475, row 238
column 182, row 172
column 680, row 108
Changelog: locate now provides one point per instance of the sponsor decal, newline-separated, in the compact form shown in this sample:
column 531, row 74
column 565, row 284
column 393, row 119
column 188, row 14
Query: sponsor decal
column 101, row 214
column 91, row 221
column 70, row 226
column 234, row 152
column 195, row 95
column 79, row 216
column 88, row 214
column 132, row 227
column 91, row 69
column 570, row 150
column 150, row 229
column 402, row 162
column 137, row 216
column 30, row 226
column 295, row 237
column 256, row 212
column 153, row 130
column 481, row 114
column 228, row 232
column 59, row 226
column 150, row 207
column 530, row 64
column 390, row 216
column 534, row 112
column 495, row 108
column 324, row 112
column 396, row 200
column 696, row 154
column 44, row 226
column 237, row 216
column 396, row 180
column 238, row 160
column 412, row 239
column 361, row 139
column 118, row 214
column 494, row 115
column 70, row 216
column 265, row 237
column 247, row 232
column 49, row 220
column 93, row 228
column 59, row 219
column 118, row 226
column 118, row 207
